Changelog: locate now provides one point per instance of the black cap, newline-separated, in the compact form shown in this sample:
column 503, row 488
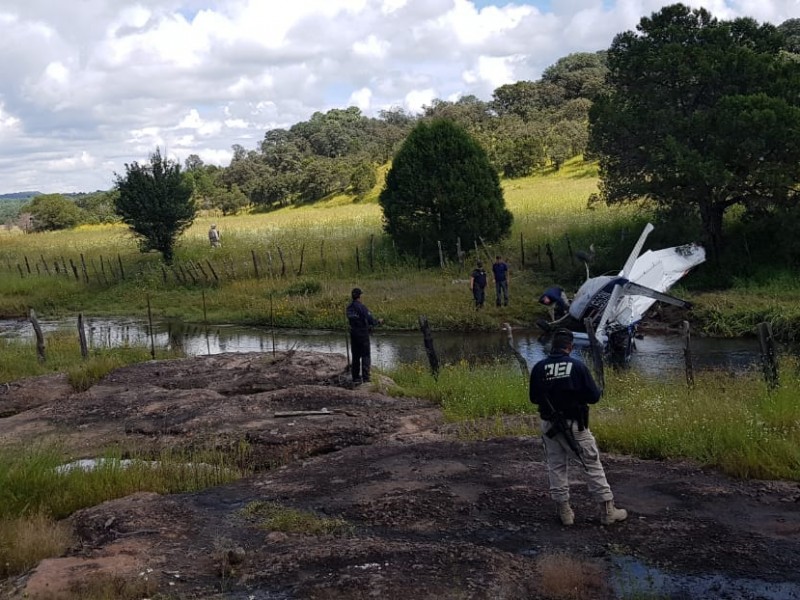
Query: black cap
column 479, row 264
column 356, row 293
column 562, row 337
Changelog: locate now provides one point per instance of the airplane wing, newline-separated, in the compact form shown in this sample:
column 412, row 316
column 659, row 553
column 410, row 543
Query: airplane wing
column 657, row 270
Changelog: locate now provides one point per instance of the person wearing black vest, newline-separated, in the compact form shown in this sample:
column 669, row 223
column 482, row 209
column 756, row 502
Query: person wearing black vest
column 477, row 283
column 361, row 323
column 562, row 387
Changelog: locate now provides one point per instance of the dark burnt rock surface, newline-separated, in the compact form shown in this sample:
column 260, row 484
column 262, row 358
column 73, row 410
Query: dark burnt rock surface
column 216, row 401
column 427, row 516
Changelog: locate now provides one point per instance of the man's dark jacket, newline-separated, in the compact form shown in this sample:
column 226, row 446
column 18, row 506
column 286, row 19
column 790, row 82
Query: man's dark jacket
column 567, row 383
column 360, row 319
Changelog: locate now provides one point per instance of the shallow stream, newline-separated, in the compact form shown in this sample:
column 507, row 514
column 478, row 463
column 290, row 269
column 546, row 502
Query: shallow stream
column 654, row 355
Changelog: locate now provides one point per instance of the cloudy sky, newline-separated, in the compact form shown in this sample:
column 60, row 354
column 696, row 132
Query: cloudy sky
column 89, row 85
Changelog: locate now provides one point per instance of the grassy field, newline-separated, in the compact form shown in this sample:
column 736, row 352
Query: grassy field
column 327, row 249
column 294, row 267
column 732, row 422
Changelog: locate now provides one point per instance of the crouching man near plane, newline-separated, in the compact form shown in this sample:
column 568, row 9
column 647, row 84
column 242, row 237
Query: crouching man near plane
column 562, row 388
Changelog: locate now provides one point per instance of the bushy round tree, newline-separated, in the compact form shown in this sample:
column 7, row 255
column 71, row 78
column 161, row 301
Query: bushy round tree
column 155, row 201
column 441, row 187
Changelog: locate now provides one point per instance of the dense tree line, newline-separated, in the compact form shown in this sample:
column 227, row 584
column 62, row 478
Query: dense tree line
column 526, row 126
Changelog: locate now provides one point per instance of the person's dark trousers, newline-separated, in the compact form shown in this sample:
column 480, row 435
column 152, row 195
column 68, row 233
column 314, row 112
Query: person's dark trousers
column 359, row 346
column 501, row 287
column 480, row 296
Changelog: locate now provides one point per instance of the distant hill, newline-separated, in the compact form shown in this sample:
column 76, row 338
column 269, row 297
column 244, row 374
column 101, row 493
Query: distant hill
column 19, row 195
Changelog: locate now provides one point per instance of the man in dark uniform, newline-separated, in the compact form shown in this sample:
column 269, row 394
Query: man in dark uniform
column 563, row 388
column 361, row 323
column 477, row 283
column 555, row 299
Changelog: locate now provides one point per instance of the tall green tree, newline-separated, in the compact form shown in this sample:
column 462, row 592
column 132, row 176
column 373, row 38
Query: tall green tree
column 702, row 115
column 155, row 201
column 441, row 187
column 53, row 211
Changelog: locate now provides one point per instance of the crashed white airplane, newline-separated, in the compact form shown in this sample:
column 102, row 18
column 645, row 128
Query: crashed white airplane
column 615, row 304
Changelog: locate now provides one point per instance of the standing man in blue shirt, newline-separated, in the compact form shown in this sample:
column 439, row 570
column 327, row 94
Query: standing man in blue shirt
column 563, row 389
column 361, row 323
column 501, row 278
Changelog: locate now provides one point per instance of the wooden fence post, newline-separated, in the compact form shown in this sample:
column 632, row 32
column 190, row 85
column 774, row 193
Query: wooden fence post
column 687, row 354
column 39, row 336
column 213, row 272
column 441, row 254
column 523, row 364
column 372, row 252
column 569, row 250
column 769, row 360
column 255, row 262
column 522, row 249
column 302, row 258
column 152, row 335
column 27, row 265
column 85, row 272
column 358, row 261
column 427, row 337
column 121, row 270
column 549, row 251
column 283, row 262
column 82, row 337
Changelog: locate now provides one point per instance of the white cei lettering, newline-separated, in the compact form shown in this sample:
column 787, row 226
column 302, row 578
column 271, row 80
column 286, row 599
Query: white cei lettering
column 558, row 370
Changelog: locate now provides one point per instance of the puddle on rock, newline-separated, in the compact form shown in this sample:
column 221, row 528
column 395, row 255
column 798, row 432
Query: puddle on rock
column 634, row 579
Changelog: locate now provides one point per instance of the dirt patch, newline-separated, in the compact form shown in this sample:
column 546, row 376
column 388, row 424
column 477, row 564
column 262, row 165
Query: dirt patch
column 426, row 515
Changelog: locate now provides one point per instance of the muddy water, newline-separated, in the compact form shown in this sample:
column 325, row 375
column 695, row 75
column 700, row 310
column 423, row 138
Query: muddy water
column 655, row 354
column 635, row 579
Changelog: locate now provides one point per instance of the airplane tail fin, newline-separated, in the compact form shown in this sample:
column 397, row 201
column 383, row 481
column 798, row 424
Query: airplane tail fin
column 637, row 249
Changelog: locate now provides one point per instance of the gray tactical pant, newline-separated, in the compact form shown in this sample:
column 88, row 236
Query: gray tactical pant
column 559, row 454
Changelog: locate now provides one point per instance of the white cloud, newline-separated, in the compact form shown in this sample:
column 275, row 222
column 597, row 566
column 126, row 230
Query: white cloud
column 106, row 81
column 361, row 98
column 371, row 47
column 84, row 160
column 8, row 123
column 415, row 100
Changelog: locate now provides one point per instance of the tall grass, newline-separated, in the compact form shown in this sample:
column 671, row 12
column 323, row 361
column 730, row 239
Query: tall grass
column 733, row 422
column 31, row 481
column 18, row 359
column 36, row 491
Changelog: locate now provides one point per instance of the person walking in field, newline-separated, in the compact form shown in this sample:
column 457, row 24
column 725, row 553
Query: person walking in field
column 214, row 236
column 563, row 388
column 501, row 279
column 361, row 324
column 477, row 283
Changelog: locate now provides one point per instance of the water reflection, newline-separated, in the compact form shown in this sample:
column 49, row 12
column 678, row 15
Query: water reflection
column 654, row 355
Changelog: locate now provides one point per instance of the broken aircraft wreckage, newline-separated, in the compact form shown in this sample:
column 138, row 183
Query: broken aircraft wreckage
column 614, row 304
